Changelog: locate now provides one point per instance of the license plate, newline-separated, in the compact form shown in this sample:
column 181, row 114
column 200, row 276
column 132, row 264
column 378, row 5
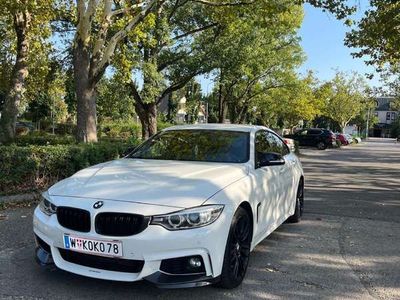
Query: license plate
column 99, row 247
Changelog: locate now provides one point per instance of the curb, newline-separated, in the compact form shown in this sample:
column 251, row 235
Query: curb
column 19, row 197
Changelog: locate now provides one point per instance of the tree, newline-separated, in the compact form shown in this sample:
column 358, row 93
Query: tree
column 46, row 101
column 114, row 100
column 395, row 105
column 174, row 47
column 376, row 37
column 178, row 41
column 298, row 101
column 254, row 56
column 25, row 34
column 100, row 26
column 377, row 34
column 344, row 98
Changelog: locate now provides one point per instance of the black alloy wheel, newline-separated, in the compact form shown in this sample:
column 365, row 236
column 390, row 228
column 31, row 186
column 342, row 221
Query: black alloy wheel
column 321, row 146
column 295, row 218
column 237, row 251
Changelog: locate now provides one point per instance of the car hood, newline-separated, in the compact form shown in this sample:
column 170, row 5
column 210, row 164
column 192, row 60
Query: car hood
column 157, row 182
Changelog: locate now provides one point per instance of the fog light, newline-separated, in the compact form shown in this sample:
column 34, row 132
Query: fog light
column 195, row 262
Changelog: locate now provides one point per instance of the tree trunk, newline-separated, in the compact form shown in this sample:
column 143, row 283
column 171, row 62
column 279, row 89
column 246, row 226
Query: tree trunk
column 242, row 114
column 86, row 96
column 147, row 113
column 13, row 99
column 343, row 126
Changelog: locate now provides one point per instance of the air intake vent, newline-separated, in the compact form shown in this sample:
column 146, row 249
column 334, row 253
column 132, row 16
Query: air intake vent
column 103, row 263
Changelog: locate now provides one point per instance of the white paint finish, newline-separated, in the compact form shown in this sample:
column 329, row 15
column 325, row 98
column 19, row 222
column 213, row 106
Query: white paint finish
column 170, row 183
column 153, row 187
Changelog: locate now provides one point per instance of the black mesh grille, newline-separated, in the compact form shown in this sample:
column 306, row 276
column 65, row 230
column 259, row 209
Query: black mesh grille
column 103, row 263
column 73, row 218
column 120, row 224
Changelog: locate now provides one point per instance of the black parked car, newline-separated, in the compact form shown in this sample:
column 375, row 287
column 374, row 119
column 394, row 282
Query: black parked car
column 314, row 137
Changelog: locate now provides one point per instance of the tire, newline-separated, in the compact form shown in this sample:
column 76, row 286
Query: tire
column 298, row 212
column 237, row 250
column 321, row 146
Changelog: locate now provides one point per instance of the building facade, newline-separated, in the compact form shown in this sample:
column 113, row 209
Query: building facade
column 386, row 116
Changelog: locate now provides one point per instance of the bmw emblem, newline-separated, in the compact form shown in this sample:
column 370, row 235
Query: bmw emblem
column 98, row 204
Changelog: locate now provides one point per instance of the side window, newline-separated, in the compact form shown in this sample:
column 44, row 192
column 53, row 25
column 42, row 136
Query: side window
column 303, row 132
column 278, row 146
column 267, row 142
column 261, row 143
column 314, row 132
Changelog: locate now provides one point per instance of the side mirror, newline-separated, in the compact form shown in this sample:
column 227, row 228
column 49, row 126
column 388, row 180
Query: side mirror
column 269, row 159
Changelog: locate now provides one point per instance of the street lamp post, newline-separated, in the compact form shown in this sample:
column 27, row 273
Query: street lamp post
column 367, row 128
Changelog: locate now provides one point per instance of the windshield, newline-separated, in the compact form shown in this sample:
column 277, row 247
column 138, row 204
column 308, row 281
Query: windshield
column 196, row 145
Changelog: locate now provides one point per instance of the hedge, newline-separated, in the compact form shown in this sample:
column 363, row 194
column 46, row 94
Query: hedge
column 44, row 139
column 30, row 168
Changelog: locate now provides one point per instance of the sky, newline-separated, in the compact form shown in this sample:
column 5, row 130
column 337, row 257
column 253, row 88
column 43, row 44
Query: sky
column 322, row 39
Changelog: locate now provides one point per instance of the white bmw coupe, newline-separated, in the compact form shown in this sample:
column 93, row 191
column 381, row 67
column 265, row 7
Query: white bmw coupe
column 183, row 209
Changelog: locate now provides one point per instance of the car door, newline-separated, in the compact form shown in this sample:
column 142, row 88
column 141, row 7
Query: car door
column 314, row 137
column 301, row 137
column 268, row 186
column 285, row 176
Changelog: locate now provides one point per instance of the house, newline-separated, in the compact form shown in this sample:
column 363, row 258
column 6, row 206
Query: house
column 386, row 116
column 183, row 115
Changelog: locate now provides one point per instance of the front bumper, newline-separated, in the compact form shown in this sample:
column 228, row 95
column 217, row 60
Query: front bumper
column 151, row 246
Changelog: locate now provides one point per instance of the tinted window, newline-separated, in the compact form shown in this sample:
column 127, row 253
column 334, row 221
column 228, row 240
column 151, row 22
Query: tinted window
column 303, row 132
column 196, row 145
column 267, row 142
column 314, row 131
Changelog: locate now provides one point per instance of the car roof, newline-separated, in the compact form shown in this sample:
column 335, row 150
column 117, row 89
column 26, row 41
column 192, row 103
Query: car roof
column 230, row 127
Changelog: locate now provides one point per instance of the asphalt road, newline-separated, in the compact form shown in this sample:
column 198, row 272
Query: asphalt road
column 346, row 247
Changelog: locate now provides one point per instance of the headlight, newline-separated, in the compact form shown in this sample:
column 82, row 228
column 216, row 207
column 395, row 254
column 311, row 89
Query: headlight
column 189, row 218
column 46, row 206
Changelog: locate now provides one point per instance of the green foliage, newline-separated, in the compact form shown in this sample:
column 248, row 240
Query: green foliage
column 297, row 102
column 344, row 96
column 38, row 31
column 162, row 125
column 36, row 167
column 395, row 105
column 43, row 139
column 256, row 54
column 114, row 100
column 46, row 102
column 376, row 39
column 377, row 34
column 366, row 113
column 123, row 129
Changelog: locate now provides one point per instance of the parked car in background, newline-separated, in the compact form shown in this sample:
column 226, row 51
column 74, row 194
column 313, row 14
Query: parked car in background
column 342, row 138
column 290, row 143
column 314, row 137
column 349, row 138
column 184, row 209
